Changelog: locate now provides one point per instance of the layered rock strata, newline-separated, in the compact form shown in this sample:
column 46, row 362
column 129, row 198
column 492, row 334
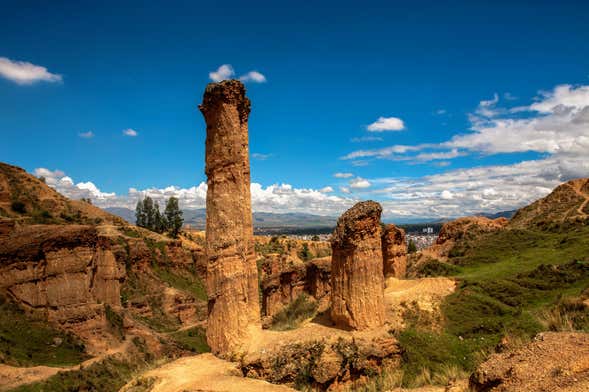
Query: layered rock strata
column 283, row 281
column 394, row 252
column 232, row 281
column 357, row 280
column 66, row 275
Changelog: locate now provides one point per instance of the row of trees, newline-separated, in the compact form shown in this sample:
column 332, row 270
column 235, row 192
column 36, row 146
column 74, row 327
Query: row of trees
column 148, row 215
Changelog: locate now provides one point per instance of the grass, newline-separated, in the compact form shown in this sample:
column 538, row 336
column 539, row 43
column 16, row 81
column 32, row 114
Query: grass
column 193, row 339
column 512, row 283
column 291, row 317
column 434, row 355
column 28, row 342
column 115, row 321
column 188, row 282
column 108, row 375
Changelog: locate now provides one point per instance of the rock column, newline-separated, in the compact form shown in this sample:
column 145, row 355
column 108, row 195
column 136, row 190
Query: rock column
column 232, row 276
column 394, row 252
column 357, row 281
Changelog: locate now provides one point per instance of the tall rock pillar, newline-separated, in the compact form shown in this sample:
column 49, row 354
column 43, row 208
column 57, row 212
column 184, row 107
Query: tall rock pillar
column 357, row 281
column 232, row 275
column 394, row 252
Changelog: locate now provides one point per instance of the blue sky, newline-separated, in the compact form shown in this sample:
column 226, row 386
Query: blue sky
column 444, row 69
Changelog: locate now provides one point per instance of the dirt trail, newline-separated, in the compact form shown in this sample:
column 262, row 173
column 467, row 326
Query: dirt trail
column 204, row 372
column 581, row 208
column 12, row 376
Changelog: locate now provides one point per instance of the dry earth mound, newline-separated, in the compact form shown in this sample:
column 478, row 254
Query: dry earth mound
column 29, row 199
column 568, row 201
column 552, row 362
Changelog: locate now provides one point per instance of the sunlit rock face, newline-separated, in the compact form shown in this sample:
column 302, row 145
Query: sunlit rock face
column 232, row 277
column 394, row 252
column 357, row 280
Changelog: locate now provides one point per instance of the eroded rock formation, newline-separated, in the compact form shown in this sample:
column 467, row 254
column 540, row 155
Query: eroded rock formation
column 232, row 282
column 357, row 281
column 63, row 274
column 283, row 280
column 469, row 226
column 394, row 252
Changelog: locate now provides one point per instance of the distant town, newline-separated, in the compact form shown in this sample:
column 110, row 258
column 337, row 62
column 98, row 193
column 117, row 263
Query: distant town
column 421, row 236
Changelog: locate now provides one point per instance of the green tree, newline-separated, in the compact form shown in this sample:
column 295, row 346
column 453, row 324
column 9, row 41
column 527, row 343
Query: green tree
column 305, row 253
column 173, row 217
column 315, row 238
column 140, row 219
column 411, row 248
column 160, row 223
column 149, row 211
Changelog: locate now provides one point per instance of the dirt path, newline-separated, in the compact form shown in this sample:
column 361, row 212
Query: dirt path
column 12, row 376
column 581, row 208
column 203, row 372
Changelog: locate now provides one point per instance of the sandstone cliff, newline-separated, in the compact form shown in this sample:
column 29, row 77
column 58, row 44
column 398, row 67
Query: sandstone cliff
column 357, row 280
column 460, row 228
column 232, row 281
column 283, row 280
column 394, row 252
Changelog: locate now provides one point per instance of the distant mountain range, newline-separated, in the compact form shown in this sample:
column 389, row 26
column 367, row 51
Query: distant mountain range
column 196, row 218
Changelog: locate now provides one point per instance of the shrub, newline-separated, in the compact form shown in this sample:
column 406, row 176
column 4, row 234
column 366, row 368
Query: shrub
column 294, row 313
column 18, row 207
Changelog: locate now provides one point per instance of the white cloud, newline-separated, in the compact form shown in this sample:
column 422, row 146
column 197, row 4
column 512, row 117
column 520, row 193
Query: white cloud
column 366, row 139
column 253, row 76
column 382, row 152
column 24, row 73
column 556, row 124
column 359, row 183
column 260, row 157
column 224, row 72
column 446, row 195
column 343, row 175
column 278, row 198
column 386, row 124
column 345, row 189
column 432, row 156
column 130, row 132
column 440, row 111
column 86, row 135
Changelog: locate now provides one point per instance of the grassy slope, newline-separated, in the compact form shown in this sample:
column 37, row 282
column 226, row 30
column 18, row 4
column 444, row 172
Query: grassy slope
column 506, row 284
column 27, row 342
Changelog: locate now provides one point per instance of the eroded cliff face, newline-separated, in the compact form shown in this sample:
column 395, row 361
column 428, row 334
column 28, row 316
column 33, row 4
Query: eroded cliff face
column 394, row 252
column 283, row 280
column 64, row 274
column 357, row 280
column 232, row 281
column 471, row 225
column 74, row 276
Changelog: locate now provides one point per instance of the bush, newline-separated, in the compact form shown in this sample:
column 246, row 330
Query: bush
column 18, row 207
column 294, row 313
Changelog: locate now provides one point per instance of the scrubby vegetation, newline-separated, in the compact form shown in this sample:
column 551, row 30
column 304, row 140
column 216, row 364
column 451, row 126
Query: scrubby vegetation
column 512, row 283
column 28, row 342
column 301, row 309
column 193, row 339
column 108, row 375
